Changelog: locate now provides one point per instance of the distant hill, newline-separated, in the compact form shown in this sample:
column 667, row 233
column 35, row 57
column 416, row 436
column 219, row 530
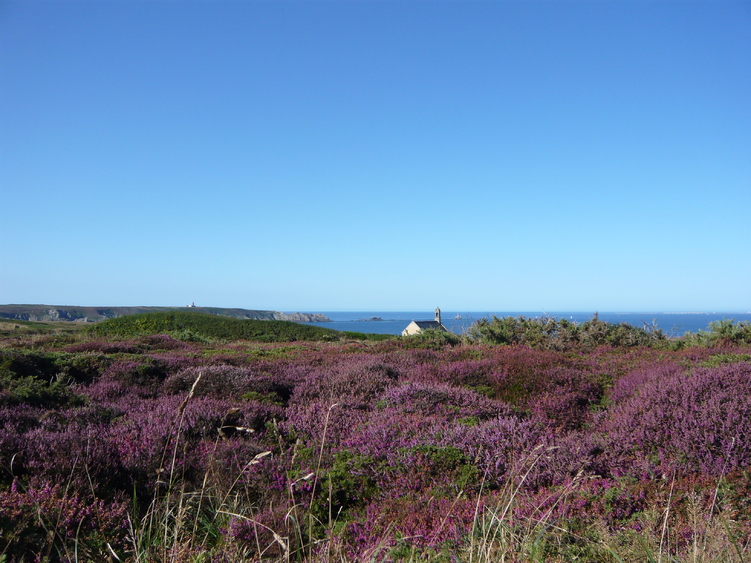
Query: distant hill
column 188, row 324
column 97, row 314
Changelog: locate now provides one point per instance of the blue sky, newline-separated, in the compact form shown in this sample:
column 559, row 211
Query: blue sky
column 355, row 155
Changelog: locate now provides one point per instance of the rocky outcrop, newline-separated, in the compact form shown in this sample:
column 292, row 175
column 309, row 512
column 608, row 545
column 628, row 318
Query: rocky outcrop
column 46, row 314
column 302, row 317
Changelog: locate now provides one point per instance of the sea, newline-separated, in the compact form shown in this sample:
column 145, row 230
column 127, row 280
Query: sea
column 391, row 322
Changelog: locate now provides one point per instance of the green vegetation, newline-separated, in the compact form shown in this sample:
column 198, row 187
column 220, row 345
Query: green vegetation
column 120, row 442
column 723, row 332
column 432, row 339
column 200, row 327
column 550, row 333
column 12, row 327
column 43, row 379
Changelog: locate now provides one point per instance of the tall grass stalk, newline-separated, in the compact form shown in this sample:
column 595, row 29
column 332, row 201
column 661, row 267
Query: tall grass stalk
column 498, row 538
column 162, row 517
column 665, row 519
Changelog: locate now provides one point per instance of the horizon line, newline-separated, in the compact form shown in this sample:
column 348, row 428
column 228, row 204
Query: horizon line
column 365, row 310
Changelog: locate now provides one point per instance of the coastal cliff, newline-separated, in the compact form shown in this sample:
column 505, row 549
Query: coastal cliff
column 302, row 317
column 97, row 314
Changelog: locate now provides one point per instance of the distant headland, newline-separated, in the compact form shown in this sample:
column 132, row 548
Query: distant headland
column 97, row 314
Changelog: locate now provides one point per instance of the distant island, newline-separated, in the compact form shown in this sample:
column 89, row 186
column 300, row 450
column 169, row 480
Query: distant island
column 97, row 314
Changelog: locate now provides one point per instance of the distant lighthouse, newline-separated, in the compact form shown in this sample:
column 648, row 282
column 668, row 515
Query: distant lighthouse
column 438, row 315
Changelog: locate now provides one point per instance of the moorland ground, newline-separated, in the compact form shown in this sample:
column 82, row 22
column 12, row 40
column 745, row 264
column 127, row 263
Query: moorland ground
column 188, row 438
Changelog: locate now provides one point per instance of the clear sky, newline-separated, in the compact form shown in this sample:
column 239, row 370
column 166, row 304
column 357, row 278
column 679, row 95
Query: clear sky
column 384, row 155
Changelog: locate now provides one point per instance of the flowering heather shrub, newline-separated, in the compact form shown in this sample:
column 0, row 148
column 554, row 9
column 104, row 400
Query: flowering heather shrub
column 520, row 373
column 695, row 421
column 79, row 525
column 147, row 372
column 149, row 428
column 435, row 437
column 628, row 506
column 216, row 381
column 235, row 467
column 520, row 384
column 318, row 424
column 613, row 363
column 106, row 390
column 171, row 361
column 204, row 416
column 423, row 356
column 539, row 382
column 128, row 371
column 20, row 418
column 453, row 403
column 417, row 440
column 387, row 432
column 256, row 532
column 469, row 373
column 231, row 382
column 71, row 452
column 60, row 444
column 351, row 379
column 269, row 376
column 499, row 445
column 567, row 398
column 608, row 501
column 634, row 383
column 15, row 422
column 566, row 455
column 421, row 520
column 510, row 373
column 335, row 399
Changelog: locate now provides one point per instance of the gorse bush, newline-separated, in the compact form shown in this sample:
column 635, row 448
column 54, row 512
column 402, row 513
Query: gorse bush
column 45, row 379
column 432, row 339
column 724, row 332
column 561, row 334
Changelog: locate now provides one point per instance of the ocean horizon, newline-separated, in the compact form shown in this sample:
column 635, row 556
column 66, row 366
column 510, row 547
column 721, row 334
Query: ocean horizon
column 394, row 322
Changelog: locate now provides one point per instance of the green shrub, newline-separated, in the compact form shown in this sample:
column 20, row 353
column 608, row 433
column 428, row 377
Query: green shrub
column 550, row 333
column 366, row 336
column 721, row 333
column 721, row 359
column 350, row 480
column 42, row 379
column 32, row 391
column 432, row 339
